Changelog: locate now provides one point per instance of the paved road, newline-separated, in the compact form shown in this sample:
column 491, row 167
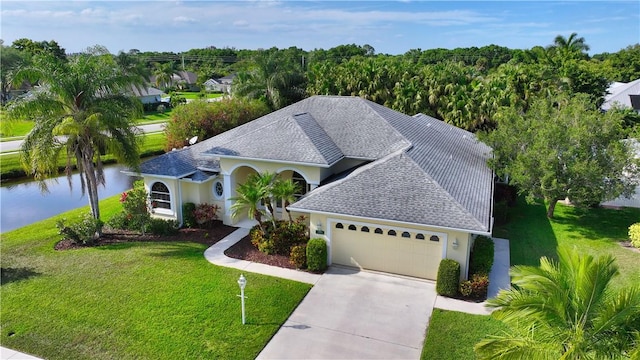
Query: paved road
column 7, row 146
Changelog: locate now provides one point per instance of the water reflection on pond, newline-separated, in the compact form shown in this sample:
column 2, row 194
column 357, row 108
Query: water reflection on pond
column 22, row 203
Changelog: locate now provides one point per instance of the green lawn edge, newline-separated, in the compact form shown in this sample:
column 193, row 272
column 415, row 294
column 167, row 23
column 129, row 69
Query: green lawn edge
column 131, row 300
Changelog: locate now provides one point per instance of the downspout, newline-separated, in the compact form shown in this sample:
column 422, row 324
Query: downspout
column 179, row 204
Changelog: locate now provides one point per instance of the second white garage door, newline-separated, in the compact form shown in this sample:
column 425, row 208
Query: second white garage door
column 398, row 251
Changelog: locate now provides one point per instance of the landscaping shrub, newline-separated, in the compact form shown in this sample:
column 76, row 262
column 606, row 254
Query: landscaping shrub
column 481, row 258
column 298, row 256
column 163, row 227
column 205, row 120
column 135, row 213
column 317, row 255
column 206, row 214
column 257, row 236
column 634, row 234
column 479, row 286
column 188, row 217
column 82, row 232
column 286, row 235
column 465, row 288
column 448, row 278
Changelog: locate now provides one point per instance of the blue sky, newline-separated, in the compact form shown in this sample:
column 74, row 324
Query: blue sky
column 391, row 27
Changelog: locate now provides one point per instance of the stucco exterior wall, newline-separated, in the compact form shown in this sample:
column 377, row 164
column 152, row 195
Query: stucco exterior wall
column 176, row 208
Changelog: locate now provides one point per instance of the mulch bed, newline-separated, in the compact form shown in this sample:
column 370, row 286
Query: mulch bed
column 207, row 236
column 627, row 245
column 244, row 250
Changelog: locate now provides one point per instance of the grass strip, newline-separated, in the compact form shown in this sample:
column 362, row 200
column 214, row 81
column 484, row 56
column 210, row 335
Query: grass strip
column 452, row 335
column 131, row 300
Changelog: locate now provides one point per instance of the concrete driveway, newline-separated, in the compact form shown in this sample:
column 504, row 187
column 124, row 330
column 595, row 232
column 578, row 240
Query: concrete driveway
column 351, row 314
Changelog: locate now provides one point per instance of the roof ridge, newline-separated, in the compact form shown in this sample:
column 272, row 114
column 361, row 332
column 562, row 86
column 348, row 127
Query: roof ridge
column 448, row 194
column 296, row 120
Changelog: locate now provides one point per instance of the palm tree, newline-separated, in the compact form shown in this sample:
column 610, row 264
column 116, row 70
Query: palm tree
column 248, row 200
column 265, row 181
column 565, row 310
column 81, row 109
column 164, row 73
column 273, row 80
column 285, row 190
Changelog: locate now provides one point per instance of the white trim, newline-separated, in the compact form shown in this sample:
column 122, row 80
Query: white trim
column 388, row 220
column 213, row 190
column 163, row 211
column 131, row 173
column 280, row 170
column 275, row 161
column 236, row 166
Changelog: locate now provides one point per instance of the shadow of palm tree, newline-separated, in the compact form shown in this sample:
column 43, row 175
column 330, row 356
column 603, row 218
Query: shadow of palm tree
column 9, row 275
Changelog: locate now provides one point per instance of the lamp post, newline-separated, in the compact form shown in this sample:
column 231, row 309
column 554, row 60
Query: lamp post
column 242, row 282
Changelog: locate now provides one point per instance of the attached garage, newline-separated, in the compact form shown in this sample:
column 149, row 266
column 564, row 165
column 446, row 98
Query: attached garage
column 393, row 250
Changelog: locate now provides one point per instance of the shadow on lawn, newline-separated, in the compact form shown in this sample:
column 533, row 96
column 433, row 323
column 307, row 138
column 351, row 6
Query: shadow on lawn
column 529, row 232
column 597, row 223
column 9, row 275
column 162, row 249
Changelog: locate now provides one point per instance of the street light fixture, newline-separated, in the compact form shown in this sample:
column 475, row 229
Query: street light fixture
column 242, row 282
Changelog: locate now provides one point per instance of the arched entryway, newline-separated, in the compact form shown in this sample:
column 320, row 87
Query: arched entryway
column 238, row 176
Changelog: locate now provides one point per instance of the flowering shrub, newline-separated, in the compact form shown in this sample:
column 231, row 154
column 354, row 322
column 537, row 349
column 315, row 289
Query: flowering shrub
column 82, row 232
column 135, row 214
column 206, row 213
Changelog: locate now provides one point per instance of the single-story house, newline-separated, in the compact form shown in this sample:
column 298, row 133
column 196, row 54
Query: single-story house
column 624, row 95
column 222, row 84
column 186, row 80
column 385, row 190
column 147, row 95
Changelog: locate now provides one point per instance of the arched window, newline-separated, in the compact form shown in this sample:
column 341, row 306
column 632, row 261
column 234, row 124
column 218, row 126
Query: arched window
column 160, row 196
column 364, row 229
column 339, row 226
column 391, row 233
column 352, row 227
column 406, row 234
column 302, row 185
column 378, row 231
column 420, row 236
column 434, row 238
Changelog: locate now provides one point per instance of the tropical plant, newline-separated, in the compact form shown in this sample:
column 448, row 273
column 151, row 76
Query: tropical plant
column 565, row 310
column 277, row 81
column 285, row 190
column 164, row 73
column 81, row 109
column 250, row 193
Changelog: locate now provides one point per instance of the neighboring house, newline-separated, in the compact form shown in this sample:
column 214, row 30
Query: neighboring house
column 147, row 95
column 634, row 200
column 222, row 84
column 625, row 95
column 186, row 80
column 386, row 191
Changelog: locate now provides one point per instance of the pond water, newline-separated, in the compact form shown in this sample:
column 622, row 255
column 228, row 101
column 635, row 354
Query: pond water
column 22, row 203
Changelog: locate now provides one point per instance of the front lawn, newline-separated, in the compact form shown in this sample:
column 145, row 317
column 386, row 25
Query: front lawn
column 197, row 95
column 452, row 334
column 131, row 300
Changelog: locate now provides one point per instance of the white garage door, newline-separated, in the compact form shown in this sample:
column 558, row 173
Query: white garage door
column 398, row 251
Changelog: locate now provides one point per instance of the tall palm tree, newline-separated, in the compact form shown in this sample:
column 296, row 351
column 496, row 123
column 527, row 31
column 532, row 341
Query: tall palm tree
column 565, row 310
column 285, row 190
column 248, row 200
column 274, row 80
column 81, row 109
column 164, row 73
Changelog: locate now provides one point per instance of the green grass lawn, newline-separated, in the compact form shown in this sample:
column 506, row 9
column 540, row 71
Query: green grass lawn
column 154, row 117
column 452, row 335
column 152, row 144
column 131, row 300
column 196, row 95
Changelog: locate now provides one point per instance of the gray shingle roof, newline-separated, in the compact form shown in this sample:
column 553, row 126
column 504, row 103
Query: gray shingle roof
column 180, row 163
column 353, row 125
column 394, row 188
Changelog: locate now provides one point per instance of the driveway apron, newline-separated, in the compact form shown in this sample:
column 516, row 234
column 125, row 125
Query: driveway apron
column 350, row 314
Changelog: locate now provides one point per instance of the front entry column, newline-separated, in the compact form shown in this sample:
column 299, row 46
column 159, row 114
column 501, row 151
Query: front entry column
column 226, row 184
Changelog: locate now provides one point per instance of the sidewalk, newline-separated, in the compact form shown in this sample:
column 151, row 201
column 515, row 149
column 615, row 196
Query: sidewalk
column 8, row 354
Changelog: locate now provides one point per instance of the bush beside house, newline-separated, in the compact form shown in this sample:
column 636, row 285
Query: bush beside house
column 317, row 255
column 448, row 278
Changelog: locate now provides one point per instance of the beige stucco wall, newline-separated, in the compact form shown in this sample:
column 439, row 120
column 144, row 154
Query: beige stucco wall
column 459, row 254
column 310, row 173
column 176, row 208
